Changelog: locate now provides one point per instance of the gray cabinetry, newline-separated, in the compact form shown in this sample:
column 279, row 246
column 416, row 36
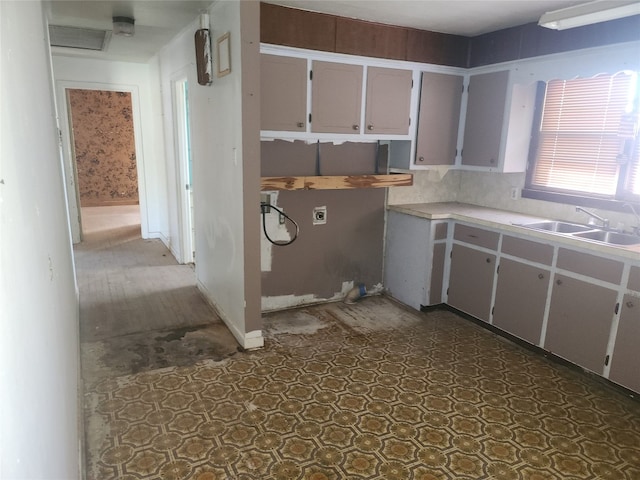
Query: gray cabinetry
column 521, row 289
column 438, row 263
column 471, row 281
column 472, row 270
column 336, row 99
column 579, row 323
column 521, row 296
column 485, row 117
column 388, row 101
column 625, row 361
column 438, row 119
column 283, row 93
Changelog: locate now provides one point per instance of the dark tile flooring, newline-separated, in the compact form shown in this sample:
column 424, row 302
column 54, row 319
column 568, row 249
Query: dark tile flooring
column 366, row 391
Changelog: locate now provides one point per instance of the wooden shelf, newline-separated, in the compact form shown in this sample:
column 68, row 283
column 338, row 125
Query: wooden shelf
column 336, row 182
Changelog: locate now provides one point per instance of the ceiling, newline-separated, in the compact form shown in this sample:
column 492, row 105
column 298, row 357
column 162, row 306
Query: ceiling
column 158, row 21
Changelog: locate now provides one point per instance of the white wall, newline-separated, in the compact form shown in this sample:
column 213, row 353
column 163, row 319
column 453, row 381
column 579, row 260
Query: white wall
column 220, row 164
column 39, row 356
column 141, row 80
column 176, row 61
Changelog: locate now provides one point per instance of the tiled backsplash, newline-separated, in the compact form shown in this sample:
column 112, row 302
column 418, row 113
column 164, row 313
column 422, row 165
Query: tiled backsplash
column 492, row 190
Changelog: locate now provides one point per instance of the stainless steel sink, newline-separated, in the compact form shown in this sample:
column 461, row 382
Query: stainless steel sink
column 557, row 227
column 612, row 238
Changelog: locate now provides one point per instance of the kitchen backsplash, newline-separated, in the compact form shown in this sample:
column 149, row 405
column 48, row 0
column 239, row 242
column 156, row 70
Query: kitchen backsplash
column 491, row 190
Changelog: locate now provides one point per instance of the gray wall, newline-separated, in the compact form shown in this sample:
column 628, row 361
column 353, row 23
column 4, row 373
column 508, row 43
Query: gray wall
column 325, row 259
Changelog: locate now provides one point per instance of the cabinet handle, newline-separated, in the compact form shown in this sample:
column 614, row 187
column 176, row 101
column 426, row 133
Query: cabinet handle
column 300, row 124
column 630, row 304
column 370, row 127
column 558, row 282
column 488, row 260
column 356, row 127
column 421, row 159
column 540, row 276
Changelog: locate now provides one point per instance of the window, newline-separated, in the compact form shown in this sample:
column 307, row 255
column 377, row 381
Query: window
column 585, row 143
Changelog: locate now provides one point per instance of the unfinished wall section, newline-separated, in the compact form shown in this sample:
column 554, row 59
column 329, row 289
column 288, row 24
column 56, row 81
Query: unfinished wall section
column 327, row 259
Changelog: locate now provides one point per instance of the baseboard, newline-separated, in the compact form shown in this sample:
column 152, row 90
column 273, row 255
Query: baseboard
column 249, row 340
column 538, row 350
column 162, row 237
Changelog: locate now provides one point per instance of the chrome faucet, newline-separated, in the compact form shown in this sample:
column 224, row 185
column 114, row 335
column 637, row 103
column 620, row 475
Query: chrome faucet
column 605, row 222
column 636, row 229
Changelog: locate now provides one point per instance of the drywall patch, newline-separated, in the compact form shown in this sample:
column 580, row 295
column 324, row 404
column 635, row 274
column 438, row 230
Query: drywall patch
column 283, row 302
column 277, row 232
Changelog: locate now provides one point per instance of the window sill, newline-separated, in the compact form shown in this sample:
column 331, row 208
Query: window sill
column 579, row 200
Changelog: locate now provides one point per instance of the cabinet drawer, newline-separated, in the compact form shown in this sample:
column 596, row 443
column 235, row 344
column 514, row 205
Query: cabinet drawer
column 634, row 279
column 533, row 251
column 476, row 236
column 590, row 265
column 441, row 231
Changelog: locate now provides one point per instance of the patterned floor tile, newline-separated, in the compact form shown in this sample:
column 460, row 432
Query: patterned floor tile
column 376, row 392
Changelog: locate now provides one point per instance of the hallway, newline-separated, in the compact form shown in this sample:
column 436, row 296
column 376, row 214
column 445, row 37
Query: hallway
column 366, row 391
column 139, row 309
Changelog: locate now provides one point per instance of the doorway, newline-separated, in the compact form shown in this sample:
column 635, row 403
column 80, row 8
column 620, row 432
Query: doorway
column 104, row 157
column 184, row 166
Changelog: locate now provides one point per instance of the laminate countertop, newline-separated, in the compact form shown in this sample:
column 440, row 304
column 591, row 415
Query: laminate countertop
column 509, row 221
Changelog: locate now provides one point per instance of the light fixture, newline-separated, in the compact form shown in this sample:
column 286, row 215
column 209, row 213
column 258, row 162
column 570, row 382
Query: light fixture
column 589, row 13
column 123, row 26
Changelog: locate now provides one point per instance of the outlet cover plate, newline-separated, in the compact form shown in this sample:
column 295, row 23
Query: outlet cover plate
column 320, row 215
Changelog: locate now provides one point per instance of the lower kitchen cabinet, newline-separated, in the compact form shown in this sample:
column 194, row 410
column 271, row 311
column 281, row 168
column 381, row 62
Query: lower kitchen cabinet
column 471, row 281
column 625, row 361
column 437, row 273
column 406, row 258
column 579, row 323
column 521, row 296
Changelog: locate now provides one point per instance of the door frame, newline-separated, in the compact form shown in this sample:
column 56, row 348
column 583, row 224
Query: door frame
column 69, row 161
column 182, row 148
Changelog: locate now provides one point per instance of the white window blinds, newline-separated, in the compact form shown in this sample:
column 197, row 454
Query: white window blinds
column 583, row 133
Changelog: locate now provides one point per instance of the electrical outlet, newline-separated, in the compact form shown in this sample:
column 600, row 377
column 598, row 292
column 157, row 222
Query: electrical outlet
column 515, row 193
column 265, row 198
column 319, row 215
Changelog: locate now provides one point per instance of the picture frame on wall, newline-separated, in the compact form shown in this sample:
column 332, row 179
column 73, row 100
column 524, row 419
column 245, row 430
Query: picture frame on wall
column 223, row 49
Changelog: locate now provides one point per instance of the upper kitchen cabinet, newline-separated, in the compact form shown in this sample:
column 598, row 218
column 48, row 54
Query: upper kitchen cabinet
column 499, row 119
column 283, row 93
column 388, row 101
column 438, row 118
column 485, row 116
column 336, row 99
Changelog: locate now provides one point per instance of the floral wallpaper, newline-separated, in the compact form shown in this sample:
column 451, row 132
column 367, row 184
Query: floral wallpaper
column 104, row 146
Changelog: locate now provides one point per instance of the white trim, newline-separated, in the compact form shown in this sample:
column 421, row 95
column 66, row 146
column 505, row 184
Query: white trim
column 357, row 59
column 69, row 160
column 248, row 340
column 163, row 238
column 181, row 140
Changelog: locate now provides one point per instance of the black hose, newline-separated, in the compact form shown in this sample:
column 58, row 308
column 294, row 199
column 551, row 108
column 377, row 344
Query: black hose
column 263, row 209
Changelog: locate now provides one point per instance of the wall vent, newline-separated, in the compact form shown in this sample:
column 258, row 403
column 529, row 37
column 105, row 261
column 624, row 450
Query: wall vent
column 82, row 38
